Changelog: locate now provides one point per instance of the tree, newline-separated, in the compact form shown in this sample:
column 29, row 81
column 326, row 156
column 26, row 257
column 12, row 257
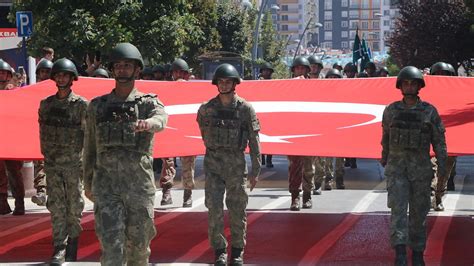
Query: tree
column 272, row 47
column 431, row 31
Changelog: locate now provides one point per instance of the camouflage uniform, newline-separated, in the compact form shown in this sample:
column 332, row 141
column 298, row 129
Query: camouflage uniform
column 15, row 179
column 407, row 135
column 62, row 124
column 226, row 131
column 118, row 171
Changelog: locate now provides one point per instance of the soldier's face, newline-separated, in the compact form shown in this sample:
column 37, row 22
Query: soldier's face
column 410, row 87
column 349, row 73
column 43, row 74
column 266, row 73
column 299, row 71
column 125, row 70
column 226, row 85
column 4, row 76
column 315, row 68
column 63, row 80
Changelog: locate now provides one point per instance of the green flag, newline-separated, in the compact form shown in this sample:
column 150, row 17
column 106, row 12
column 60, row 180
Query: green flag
column 356, row 48
column 365, row 55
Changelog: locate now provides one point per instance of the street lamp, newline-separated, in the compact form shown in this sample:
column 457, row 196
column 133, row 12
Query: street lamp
column 316, row 25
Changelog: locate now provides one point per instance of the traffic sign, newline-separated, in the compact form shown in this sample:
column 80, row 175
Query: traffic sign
column 24, row 23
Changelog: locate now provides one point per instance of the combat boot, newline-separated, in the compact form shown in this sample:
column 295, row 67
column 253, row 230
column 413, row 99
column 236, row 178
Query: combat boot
column 39, row 199
column 58, row 257
column 269, row 161
column 438, row 205
column 328, row 183
column 71, row 249
column 400, row 255
column 417, row 258
column 340, row 182
column 166, row 198
column 237, row 257
column 295, row 201
column 220, row 257
column 4, row 207
column 307, row 202
column 19, row 207
column 187, row 198
column 317, row 189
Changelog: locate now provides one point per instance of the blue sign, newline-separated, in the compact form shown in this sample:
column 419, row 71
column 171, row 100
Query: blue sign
column 24, row 23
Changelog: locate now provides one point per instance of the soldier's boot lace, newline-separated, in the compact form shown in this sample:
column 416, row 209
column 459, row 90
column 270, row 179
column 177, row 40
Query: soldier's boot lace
column 328, row 183
column 340, row 182
column 187, row 198
column 71, row 249
column 401, row 255
column 220, row 257
column 307, row 202
column 59, row 254
column 166, row 198
column 295, row 201
column 417, row 258
column 237, row 257
column 19, row 206
column 317, row 189
column 39, row 199
column 4, row 207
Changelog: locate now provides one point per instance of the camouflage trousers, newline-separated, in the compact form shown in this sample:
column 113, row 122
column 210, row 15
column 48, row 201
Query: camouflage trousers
column 168, row 172
column 40, row 176
column 65, row 202
column 441, row 182
column 322, row 168
column 236, row 201
column 15, row 178
column 301, row 172
column 414, row 196
column 125, row 226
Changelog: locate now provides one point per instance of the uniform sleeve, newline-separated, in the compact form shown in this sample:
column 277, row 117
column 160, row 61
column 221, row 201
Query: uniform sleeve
column 41, row 118
column 438, row 141
column 386, row 118
column 83, row 127
column 200, row 120
column 90, row 149
column 158, row 117
column 254, row 143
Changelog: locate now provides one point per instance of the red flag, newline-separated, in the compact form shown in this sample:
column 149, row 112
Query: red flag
column 328, row 117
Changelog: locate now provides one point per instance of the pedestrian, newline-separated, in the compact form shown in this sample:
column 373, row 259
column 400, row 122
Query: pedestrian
column 410, row 127
column 228, row 124
column 62, row 124
column 118, row 156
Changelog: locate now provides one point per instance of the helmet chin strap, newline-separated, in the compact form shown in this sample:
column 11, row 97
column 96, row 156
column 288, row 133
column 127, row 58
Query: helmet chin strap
column 231, row 91
column 64, row 87
column 125, row 79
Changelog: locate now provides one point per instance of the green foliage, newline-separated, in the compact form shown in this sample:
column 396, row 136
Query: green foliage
column 272, row 47
column 392, row 67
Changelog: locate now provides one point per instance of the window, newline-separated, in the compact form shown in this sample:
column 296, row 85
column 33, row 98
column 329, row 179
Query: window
column 364, row 25
column 284, row 17
column 344, row 24
column 284, row 27
column 344, row 3
column 344, row 45
column 327, row 15
column 328, row 45
column 364, row 14
column 344, row 14
column 386, row 23
column 365, row 4
column 376, row 25
column 344, row 34
column 386, row 2
column 328, row 25
column 351, row 44
column 328, row 35
column 352, row 34
column 353, row 14
column 284, row 8
column 386, row 12
column 354, row 25
column 354, row 3
column 376, row 46
column 327, row 4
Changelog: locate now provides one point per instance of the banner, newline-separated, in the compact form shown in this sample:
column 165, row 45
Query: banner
column 326, row 117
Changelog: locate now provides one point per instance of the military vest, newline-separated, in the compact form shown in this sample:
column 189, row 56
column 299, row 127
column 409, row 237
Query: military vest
column 116, row 122
column 410, row 129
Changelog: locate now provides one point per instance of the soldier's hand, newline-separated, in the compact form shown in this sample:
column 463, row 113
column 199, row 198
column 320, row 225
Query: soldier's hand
column 253, row 182
column 142, row 125
column 89, row 195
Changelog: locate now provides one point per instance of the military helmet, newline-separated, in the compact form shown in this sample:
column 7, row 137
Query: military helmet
column 350, row 67
column 100, row 72
column 124, row 51
column 370, row 65
column 333, row 72
column 158, row 68
column 44, row 63
column 64, row 65
column 5, row 66
column 147, row 71
column 226, row 71
column 451, row 69
column 167, row 67
column 266, row 65
column 301, row 61
column 362, row 75
column 179, row 64
column 314, row 60
column 439, row 66
column 336, row 65
column 410, row 73
column 384, row 69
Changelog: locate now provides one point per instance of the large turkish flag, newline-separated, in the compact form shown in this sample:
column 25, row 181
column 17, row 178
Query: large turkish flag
column 328, row 117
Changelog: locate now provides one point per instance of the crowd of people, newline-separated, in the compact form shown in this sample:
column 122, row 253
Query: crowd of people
column 104, row 147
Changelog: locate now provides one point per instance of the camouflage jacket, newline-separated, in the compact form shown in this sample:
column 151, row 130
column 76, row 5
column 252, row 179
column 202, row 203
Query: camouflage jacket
column 62, row 125
column 408, row 133
column 113, row 146
column 227, row 131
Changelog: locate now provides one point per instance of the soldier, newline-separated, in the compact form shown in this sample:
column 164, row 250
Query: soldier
column 118, row 150
column 100, row 73
column 410, row 126
column 350, row 70
column 62, row 124
column 159, row 72
column 383, row 72
column 371, row 69
column 316, row 65
column 147, row 74
column 266, row 71
column 179, row 72
column 43, row 69
column 337, row 66
column 439, row 185
column 13, row 167
column 228, row 123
